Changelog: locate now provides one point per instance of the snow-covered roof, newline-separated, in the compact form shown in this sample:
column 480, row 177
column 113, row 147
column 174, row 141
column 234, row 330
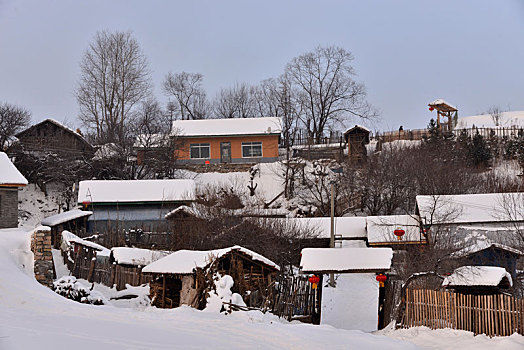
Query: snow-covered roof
column 440, row 101
column 9, row 174
column 380, row 229
column 190, row 210
column 507, row 119
column 324, row 260
column 185, row 261
column 69, row 238
column 151, row 141
column 65, row 216
column 481, row 245
column 477, row 276
column 127, row 191
column 471, row 208
column 357, row 126
column 227, row 127
column 345, row 227
column 136, row 256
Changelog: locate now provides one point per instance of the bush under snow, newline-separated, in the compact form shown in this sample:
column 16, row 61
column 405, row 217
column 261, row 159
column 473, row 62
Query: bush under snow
column 70, row 288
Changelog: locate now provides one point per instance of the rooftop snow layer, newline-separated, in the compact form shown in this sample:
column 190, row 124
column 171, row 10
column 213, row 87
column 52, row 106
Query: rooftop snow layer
column 136, row 256
column 122, row 191
column 507, row 119
column 470, row 208
column 69, row 237
column 380, row 228
column 477, row 276
column 324, row 260
column 185, row 261
column 481, row 245
column 345, row 227
column 9, row 174
column 440, row 101
column 227, row 127
column 65, row 216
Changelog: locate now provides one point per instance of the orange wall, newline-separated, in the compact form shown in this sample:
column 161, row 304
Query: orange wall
column 269, row 145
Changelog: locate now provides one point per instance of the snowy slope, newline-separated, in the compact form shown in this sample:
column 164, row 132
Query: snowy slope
column 35, row 317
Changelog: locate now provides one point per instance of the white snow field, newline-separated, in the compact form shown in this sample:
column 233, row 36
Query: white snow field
column 33, row 316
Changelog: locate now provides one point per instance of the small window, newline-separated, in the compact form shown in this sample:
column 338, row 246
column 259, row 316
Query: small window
column 251, row 149
column 199, row 151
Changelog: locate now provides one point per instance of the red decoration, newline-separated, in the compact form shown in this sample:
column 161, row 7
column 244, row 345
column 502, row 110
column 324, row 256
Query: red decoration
column 314, row 279
column 399, row 233
column 207, row 162
column 431, row 108
column 381, row 278
column 86, row 203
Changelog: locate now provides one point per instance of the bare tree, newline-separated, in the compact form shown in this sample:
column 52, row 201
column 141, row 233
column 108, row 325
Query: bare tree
column 13, row 119
column 155, row 142
column 115, row 78
column 496, row 113
column 187, row 90
column 327, row 89
column 236, row 102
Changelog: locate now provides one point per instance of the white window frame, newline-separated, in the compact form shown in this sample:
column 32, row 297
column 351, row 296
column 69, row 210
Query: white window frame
column 251, row 144
column 199, row 146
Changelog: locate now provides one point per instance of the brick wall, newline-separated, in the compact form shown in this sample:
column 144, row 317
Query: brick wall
column 41, row 248
column 8, row 207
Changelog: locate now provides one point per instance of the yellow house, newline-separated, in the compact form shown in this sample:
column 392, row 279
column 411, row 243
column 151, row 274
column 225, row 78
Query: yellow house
column 236, row 140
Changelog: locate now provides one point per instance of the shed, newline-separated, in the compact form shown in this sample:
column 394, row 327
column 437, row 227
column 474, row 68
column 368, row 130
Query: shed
column 10, row 181
column 487, row 253
column 180, row 278
column 357, row 138
column 478, row 280
column 73, row 220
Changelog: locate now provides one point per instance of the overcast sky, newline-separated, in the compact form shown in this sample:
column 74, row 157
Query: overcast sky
column 407, row 53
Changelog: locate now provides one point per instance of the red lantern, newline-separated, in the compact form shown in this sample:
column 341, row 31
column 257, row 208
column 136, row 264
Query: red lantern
column 207, row 162
column 314, row 279
column 399, row 233
column 431, row 108
column 86, row 203
column 381, row 278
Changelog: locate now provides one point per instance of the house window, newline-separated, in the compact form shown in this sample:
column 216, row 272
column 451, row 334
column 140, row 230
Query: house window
column 199, row 151
column 251, row 149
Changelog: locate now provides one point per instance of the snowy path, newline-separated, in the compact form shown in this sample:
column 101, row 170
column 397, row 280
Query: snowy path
column 34, row 316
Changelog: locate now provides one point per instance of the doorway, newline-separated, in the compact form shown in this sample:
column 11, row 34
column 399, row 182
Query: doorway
column 225, row 152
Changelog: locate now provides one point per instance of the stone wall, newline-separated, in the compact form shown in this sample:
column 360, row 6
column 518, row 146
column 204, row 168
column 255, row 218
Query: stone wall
column 8, row 207
column 43, row 256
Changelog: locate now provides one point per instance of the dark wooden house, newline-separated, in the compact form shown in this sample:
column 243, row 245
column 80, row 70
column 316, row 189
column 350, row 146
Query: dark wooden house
column 10, row 180
column 181, row 278
column 50, row 135
column 357, row 138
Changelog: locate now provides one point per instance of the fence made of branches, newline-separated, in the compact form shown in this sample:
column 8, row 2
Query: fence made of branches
column 294, row 298
column 493, row 315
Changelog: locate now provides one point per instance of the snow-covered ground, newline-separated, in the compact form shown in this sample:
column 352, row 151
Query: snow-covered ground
column 33, row 316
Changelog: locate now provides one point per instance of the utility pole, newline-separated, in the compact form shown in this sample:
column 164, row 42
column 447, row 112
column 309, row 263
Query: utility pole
column 332, row 241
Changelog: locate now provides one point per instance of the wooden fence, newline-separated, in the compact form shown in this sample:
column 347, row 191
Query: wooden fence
column 493, row 315
column 293, row 297
column 85, row 265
